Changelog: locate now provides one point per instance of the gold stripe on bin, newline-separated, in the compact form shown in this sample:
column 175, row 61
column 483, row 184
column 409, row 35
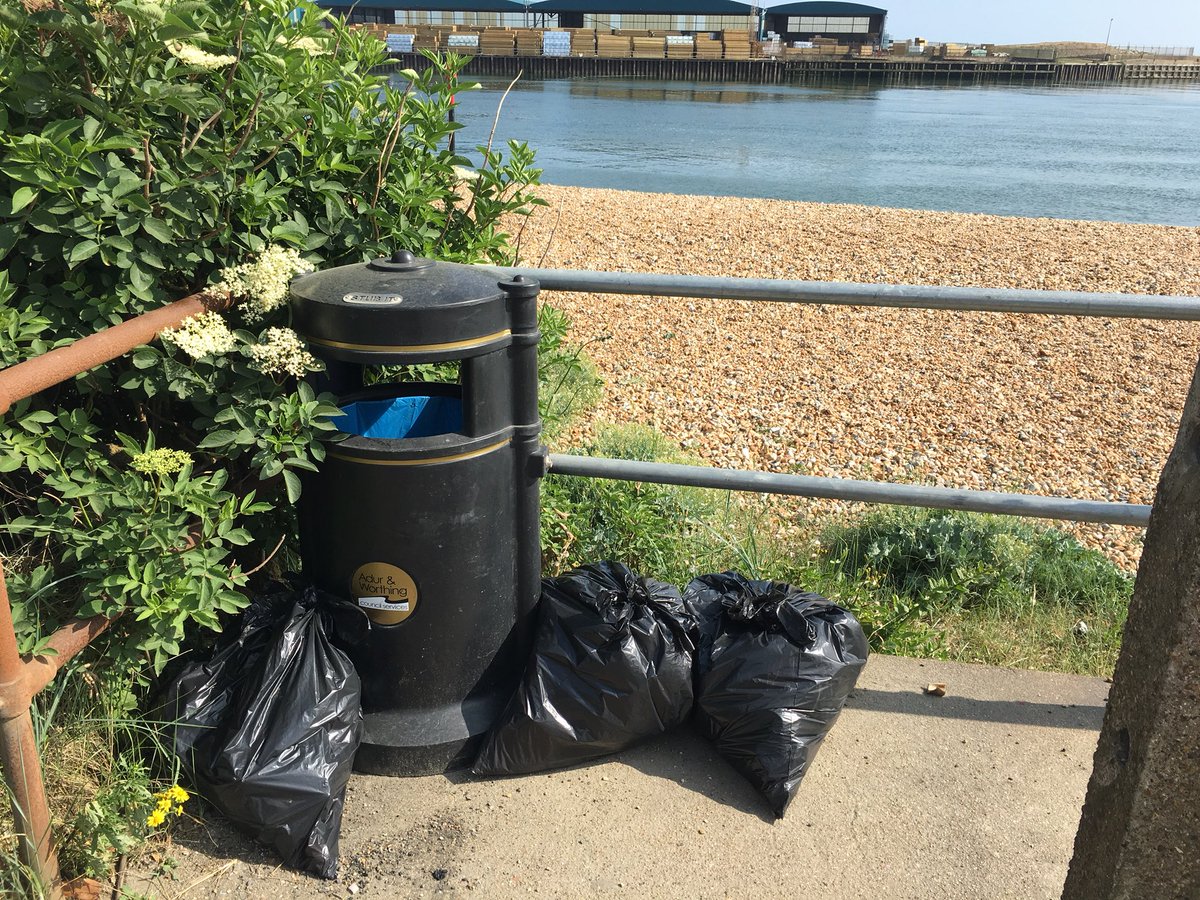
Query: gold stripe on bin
column 423, row 461
column 469, row 344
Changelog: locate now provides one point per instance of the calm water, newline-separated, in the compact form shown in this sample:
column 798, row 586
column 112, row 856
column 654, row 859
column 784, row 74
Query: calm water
column 1125, row 154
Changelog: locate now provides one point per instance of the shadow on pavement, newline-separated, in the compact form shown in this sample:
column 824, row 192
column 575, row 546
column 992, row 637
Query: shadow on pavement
column 1014, row 712
column 682, row 756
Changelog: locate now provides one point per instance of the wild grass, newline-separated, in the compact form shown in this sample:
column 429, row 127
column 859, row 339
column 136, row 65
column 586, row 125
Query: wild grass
column 924, row 583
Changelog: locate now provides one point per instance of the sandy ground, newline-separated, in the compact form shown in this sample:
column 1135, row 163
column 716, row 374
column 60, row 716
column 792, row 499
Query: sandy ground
column 1040, row 404
column 973, row 795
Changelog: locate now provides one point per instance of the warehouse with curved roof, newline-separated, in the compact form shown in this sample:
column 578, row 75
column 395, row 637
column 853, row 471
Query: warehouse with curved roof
column 849, row 23
column 687, row 16
column 474, row 13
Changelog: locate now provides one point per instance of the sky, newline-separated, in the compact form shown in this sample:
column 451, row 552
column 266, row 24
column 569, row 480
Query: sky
column 1135, row 22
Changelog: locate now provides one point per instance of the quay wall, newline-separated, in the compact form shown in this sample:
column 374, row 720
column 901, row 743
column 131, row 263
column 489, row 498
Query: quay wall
column 772, row 71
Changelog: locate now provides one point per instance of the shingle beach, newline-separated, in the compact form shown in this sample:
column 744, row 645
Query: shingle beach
column 1040, row 404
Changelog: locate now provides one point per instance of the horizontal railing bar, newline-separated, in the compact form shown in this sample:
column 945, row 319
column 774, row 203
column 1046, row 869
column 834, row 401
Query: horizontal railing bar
column 1026, row 505
column 903, row 296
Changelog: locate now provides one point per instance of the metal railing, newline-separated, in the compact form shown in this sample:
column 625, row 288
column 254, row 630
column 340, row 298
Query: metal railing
column 22, row 677
column 1058, row 303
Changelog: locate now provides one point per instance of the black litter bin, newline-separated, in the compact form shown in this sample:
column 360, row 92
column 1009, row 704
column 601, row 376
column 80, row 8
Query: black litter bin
column 425, row 515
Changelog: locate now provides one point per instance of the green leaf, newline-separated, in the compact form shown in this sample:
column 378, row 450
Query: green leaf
column 158, row 229
column 218, row 439
column 142, row 281
column 81, row 251
column 290, row 232
column 21, row 198
column 292, row 480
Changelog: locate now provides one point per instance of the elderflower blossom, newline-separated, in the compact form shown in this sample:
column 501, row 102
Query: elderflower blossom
column 309, row 45
column 263, row 282
column 282, row 353
column 191, row 55
column 161, row 461
column 201, row 335
column 166, row 802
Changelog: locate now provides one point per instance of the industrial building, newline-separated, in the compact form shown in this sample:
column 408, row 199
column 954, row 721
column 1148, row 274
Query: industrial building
column 683, row 16
column 471, row 13
column 686, row 16
column 848, row 23
column 843, row 25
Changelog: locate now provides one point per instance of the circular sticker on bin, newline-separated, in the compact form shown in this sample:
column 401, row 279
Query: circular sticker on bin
column 386, row 593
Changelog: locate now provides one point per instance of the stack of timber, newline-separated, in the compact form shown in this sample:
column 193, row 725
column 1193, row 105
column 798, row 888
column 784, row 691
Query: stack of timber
column 648, row 47
column 613, row 46
column 425, row 40
column 529, row 42
column 680, row 46
column 706, row 48
column 583, row 42
column 737, row 44
column 497, row 43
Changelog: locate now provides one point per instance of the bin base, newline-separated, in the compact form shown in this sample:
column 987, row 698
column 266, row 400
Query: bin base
column 378, row 759
column 426, row 741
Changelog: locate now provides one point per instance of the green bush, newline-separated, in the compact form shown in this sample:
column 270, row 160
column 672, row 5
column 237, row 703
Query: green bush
column 963, row 559
column 978, row 589
column 661, row 531
column 150, row 150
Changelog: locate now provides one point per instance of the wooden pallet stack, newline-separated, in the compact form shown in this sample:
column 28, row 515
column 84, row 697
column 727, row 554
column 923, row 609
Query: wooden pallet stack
column 737, row 44
column 648, row 47
column 529, row 42
column 497, row 43
column 613, row 46
column 425, row 38
column 680, row 46
column 707, row 48
column 583, row 42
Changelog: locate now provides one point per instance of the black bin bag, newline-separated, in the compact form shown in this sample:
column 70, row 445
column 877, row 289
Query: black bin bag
column 774, row 666
column 266, row 729
column 611, row 666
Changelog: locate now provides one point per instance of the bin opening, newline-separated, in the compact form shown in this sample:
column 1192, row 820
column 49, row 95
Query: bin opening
column 402, row 417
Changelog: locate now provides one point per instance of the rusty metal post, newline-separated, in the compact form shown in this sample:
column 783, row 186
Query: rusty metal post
column 21, row 678
column 27, row 378
column 19, row 755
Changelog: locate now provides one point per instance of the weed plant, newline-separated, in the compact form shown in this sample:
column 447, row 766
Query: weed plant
column 931, row 584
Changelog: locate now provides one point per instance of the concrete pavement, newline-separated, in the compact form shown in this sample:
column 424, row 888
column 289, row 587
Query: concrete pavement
column 973, row 795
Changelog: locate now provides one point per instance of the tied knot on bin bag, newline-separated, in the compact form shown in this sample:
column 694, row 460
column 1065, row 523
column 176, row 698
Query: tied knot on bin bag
column 774, row 666
column 610, row 667
column 267, row 727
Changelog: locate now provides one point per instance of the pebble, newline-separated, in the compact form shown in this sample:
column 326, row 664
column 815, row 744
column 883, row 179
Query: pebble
column 1052, row 405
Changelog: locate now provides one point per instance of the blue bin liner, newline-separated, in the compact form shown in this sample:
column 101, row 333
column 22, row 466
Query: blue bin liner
column 402, row 417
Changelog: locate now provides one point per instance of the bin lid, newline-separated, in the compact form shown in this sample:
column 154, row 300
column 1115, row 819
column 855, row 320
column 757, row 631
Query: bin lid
column 401, row 308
